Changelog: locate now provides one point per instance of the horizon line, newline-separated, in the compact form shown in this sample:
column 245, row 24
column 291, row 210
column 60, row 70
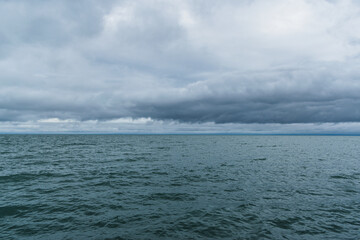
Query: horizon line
column 172, row 133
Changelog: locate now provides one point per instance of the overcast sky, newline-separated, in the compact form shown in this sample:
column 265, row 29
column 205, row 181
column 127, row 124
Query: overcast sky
column 245, row 66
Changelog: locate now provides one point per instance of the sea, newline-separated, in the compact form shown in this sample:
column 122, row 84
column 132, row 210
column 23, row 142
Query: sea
column 179, row 187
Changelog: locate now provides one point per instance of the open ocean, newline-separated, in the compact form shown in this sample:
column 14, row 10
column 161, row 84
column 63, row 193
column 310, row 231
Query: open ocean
column 179, row 187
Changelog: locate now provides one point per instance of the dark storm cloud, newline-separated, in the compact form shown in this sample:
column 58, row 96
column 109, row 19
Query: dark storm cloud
column 257, row 112
column 292, row 97
column 188, row 61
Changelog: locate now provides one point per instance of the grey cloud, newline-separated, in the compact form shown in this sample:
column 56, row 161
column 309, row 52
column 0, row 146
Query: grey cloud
column 293, row 103
column 47, row 22
column 249, row 112
column 186, row 61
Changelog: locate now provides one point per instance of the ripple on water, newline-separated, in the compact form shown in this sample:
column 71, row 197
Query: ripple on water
column 179, row 187
column 170, row 197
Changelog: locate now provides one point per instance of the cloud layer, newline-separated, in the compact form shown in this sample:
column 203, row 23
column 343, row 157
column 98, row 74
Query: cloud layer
column 185, row 61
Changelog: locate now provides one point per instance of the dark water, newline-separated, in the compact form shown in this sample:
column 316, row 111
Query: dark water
column 179, row 187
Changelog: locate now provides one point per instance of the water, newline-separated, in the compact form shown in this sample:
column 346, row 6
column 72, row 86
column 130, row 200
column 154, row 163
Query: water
column 179, row 187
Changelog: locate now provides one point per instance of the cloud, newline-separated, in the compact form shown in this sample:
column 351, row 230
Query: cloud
column 192, row 62
column 148, row 125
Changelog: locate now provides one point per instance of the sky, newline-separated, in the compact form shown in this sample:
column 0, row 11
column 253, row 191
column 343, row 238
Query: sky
column 180, row 66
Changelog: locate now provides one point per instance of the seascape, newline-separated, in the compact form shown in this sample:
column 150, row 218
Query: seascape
column 179, row 187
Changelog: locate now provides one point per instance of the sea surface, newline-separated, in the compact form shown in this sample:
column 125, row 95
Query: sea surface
column 179, row 187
